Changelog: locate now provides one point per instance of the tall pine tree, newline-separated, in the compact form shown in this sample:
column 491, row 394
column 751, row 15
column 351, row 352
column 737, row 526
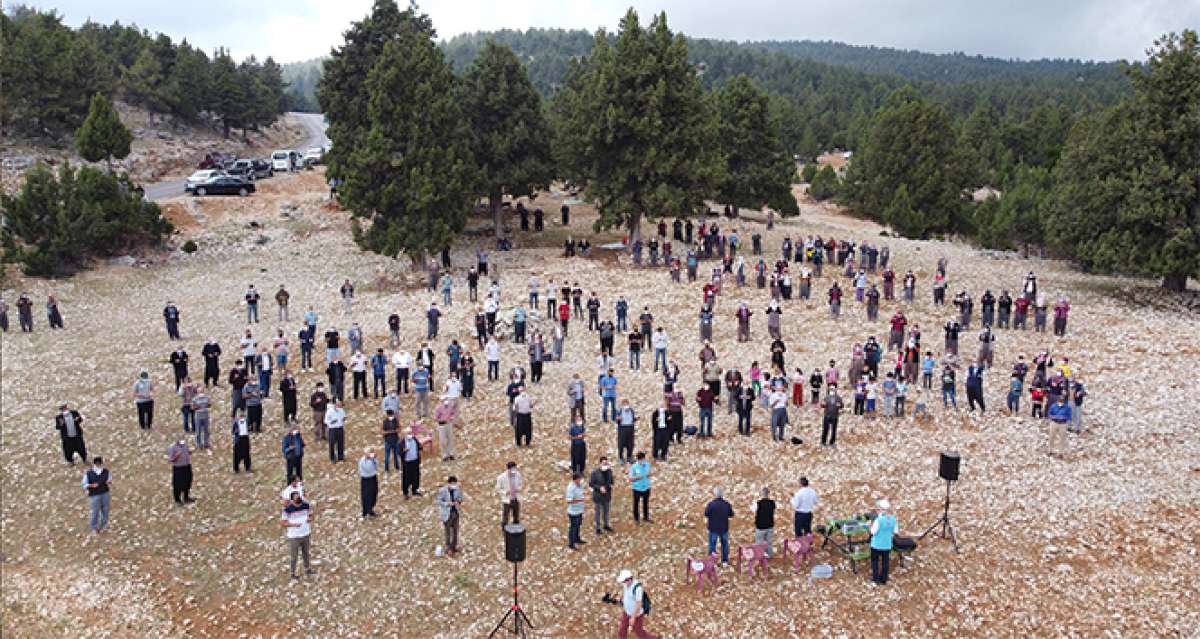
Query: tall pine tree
column 413, row 177
column 509, row 133
column 758, row 169
column 1127, row 195
column 102, row 136
column 646, row 131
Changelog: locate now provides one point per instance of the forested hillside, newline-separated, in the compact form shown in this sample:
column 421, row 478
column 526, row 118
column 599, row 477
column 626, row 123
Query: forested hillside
column 51, row 71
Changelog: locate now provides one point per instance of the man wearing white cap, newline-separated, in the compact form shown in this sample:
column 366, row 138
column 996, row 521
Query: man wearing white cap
column 883, row 529
column 634, row 603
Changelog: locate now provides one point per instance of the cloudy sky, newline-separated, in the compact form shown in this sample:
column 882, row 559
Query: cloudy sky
column 293, row 30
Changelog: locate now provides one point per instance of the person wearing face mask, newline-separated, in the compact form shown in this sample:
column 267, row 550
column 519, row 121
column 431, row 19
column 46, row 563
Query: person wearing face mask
column 97, row 481
column 576, row 434
column 293, row 454
column 297, row 519
column 70, row 430
column 368, row 473
column 601, row 481
column 180, row 457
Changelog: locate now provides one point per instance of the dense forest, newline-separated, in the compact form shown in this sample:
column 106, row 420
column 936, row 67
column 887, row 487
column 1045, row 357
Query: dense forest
column 51, row 72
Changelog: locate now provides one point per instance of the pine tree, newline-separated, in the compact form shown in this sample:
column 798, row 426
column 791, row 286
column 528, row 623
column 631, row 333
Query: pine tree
column 758, row 169
column 413, row 177
column 824, row 185
column 1127, row 195
column 342, row 91
column 647, row 131
column 509, row 133
column 102, row 136
column 145, row 83
column 910, row 144
column 227, row 92
column 189, row 82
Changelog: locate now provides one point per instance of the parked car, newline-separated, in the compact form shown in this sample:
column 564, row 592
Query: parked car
column 262, row 169
column 285, row 160
column 223, row 185
column 202, row 177
column 314, row 156
column 241, row 168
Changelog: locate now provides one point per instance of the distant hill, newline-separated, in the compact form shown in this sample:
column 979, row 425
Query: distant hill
column 940, row 67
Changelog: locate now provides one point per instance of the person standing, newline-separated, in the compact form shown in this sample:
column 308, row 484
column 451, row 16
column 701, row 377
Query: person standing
column 608, row 394
column 660, row 427
column 508, row 486
column 626, row 422
column 718, row 513
column 181, row 472
column 347, row 293
column 575, row 511
column 69, row 424
column 601, row 482
column 289, row 389
column 368, row 474
column 975, row 387
column 212, row 362
column 576, row 435
column 25, row 313
column 639, row 476
column 319, row 402
column 391, row 441
column 358, row 367
column 201, row 403
column 704, row 401
column 187, row 391
column 449, row 501
column 1059, row 413
column 240, row 432
column 777, row 401
column 297, row 519
column 281, row 298
column 53, row 314
column 179, row 365
column 803, row 503
column 336, row 374
column 293, row 454
column 764, row 521
column 335, row 423
column 252, row 398
column 410, row 470
column 421, row 380
column 171, row 316
column 143, row 397
column 97, row 481
column 446, row 414
column 251, row 298
column 523, row 411
column 833, row 405
column 3, row 315
column 883, row 530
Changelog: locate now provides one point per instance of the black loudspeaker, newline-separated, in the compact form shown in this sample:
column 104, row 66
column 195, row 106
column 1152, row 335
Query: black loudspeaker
column 948, row 469
column 514, row 543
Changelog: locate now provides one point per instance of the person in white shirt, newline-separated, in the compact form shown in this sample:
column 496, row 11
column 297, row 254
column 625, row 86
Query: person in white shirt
column 508, row 486
column 265, row 361
column 533, row 292
column 452, row 389
column 633, row 617
column 297, row 520
column 659, row 341
column 335, row 420
column 297, row 486
column 402, row 361
column 523, row 409
column 249, row 350
column 777, row 400
column 358, row 366
column 492, row 352
column 803, row 503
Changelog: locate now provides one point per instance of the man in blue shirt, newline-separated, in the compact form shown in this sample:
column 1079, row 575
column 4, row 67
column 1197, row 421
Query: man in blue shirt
column 883, row 529
column 718, row 512
column 639, row 475
column 420, row 382
column 1059, row 413
column 608, row 393
column 379, row 363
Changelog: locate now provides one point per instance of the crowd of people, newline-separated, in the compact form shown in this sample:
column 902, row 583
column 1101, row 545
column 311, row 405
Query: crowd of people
column 892, row 379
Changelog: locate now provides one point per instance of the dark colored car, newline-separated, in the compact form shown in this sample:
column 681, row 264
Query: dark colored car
column 224, row 185
column 250, row 169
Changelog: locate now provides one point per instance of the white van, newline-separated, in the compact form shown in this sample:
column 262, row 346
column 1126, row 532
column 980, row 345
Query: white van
column 282, row 160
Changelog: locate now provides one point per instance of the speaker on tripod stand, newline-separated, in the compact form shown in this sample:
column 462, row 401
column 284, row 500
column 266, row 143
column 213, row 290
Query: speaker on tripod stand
column 514, row 552
column 947, row 470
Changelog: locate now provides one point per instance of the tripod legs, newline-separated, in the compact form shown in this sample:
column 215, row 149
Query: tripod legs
column 519, row 619
column 944, row 521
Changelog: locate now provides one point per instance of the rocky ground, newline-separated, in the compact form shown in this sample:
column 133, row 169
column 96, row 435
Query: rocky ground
column 1098, row 544
column 163, row 147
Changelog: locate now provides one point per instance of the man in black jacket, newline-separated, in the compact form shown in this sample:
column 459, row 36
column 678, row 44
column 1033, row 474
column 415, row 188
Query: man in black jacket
column 212, row 362
column 70, row 429
column 601, row 481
